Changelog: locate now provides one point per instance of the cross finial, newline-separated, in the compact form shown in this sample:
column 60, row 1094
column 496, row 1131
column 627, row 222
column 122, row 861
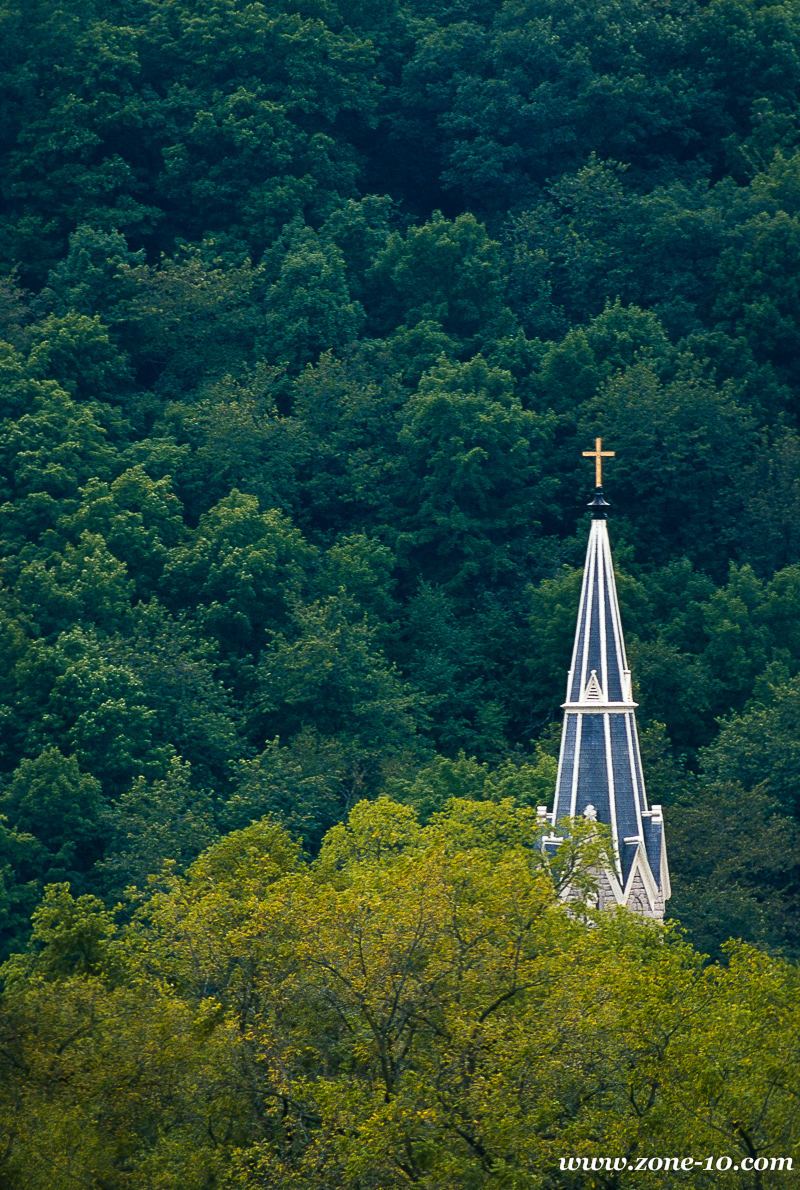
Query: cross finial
column 598, row 454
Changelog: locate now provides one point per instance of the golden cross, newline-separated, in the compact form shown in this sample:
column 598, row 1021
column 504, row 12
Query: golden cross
column 598, row 454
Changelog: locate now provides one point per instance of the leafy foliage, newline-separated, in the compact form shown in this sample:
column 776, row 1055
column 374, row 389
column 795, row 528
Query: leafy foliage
column 417, row 1005
column 307, row 311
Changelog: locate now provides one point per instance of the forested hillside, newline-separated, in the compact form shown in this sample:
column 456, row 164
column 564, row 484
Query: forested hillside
column 307, row 312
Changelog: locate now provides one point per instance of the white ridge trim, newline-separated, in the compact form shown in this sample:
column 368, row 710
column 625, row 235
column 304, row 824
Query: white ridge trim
column 612, row 793
column 573, row 793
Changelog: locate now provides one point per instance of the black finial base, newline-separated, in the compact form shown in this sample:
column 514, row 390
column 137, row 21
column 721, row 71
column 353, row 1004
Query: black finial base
column 598, row 505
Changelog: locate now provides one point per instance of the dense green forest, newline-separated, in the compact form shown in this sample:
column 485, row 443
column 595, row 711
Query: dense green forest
column 307, row 312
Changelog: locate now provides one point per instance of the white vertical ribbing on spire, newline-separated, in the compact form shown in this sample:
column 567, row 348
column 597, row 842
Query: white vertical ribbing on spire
column 640, row 798
column 612, row 801
column 602, row 578
column 604, row 769
column 586, row 620
column 637, row 756
column 611, row 586
column 573, row 793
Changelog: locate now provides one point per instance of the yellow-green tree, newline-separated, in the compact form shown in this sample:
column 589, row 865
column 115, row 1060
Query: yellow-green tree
column 421, row 1006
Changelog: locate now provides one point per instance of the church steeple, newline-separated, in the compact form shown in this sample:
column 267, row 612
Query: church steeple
column 600, row 768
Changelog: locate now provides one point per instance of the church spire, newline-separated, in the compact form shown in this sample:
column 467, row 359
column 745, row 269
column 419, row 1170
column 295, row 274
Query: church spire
column 600, row 768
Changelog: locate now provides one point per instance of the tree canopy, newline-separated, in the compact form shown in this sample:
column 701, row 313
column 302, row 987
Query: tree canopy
column 307, row 312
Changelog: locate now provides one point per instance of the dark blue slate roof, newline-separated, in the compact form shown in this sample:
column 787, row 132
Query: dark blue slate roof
column 600, row 764
column 653, row 831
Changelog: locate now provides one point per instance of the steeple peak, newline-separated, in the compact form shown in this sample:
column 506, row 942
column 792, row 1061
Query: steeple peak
column 600, row 767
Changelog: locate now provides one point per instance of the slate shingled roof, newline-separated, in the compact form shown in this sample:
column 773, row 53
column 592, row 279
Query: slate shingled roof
column 600, row 765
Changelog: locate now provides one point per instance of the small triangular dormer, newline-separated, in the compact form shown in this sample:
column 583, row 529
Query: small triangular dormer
column 592, row 692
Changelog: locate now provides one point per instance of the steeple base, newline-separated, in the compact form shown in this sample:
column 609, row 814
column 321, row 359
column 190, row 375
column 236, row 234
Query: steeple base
column 636, row 899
